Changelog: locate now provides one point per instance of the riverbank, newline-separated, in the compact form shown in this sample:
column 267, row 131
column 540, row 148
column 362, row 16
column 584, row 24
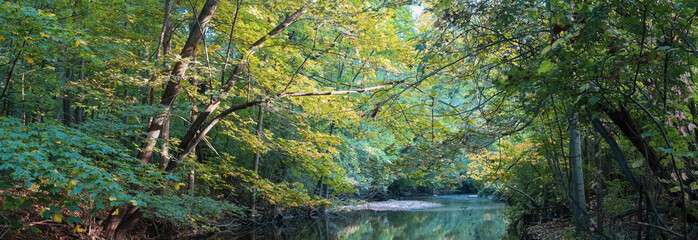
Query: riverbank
column 390, row 205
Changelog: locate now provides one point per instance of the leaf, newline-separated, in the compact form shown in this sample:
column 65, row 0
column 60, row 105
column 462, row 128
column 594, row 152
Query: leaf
column 78, row 229
column 636, row 164
column 29, row 60
column 76, row 190
column 58, row 217
column 546, row 66
column 648, row 134
column 80, row 42
column 662, row 48
column 593, row 100
column 666, row 150
column 44, row 35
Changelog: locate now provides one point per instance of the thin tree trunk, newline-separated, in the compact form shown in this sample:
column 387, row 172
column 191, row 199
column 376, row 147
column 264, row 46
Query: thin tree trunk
column 257, row 156
column 67, row 97
column 24, row 107
column 192, row 178
column 164, row 149
column 80, row 111
column 600, row 185
column 260, row 129
column 164, row 43
column 580, row 213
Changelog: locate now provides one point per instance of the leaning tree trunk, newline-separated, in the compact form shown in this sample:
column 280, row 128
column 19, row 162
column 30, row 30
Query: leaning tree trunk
column 196, row 132
column 173, row 85
column 578, row 200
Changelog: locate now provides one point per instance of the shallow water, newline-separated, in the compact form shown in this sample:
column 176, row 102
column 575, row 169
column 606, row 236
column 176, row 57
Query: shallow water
column 481, row 219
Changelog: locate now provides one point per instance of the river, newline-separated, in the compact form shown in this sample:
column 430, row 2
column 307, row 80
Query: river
column 460, row 217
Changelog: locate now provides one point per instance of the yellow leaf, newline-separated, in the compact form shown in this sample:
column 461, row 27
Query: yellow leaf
column 29, row 60
column 78, row 229
column 58, row 217
column 116, row 212
column 80, row 42
column 44, row 35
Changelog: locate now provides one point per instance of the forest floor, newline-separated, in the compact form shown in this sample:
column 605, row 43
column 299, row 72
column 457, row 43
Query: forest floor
column 560, row 229
column 391, row 205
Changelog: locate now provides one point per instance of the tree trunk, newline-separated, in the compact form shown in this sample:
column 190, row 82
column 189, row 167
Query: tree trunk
column 196, row 131
column 580, row 213
column 67, row 97
column 164, row 148
column 260, row 129
column 173, row 85
column 621, row 117
column 165, row 41
column 257, row 156
column 120, row 221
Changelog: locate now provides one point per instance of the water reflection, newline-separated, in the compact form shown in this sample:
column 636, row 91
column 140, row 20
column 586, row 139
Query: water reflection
column 480, row 219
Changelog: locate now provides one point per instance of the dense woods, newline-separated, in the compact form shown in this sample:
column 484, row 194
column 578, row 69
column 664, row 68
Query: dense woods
column 176, row 118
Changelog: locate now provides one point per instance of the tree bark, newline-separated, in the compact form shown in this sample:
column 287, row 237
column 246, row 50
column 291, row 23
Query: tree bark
column 580, row 213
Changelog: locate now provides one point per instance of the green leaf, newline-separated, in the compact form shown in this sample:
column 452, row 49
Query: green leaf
column 666, row 150
column 76, row 190
column 648, row 134
column 593, row 100
column 545, row 67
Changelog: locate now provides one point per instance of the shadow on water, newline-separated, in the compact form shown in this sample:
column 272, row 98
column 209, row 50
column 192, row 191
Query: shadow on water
column 480, row 219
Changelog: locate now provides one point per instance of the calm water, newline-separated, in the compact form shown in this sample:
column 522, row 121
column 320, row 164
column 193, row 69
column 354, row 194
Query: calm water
column 481, row 219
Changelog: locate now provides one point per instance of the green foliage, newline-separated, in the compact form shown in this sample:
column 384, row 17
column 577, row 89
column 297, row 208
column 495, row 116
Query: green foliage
column 199, row 212
column 61, row 168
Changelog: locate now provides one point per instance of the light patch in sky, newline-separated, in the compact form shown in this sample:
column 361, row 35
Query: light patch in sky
column 416, row 10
